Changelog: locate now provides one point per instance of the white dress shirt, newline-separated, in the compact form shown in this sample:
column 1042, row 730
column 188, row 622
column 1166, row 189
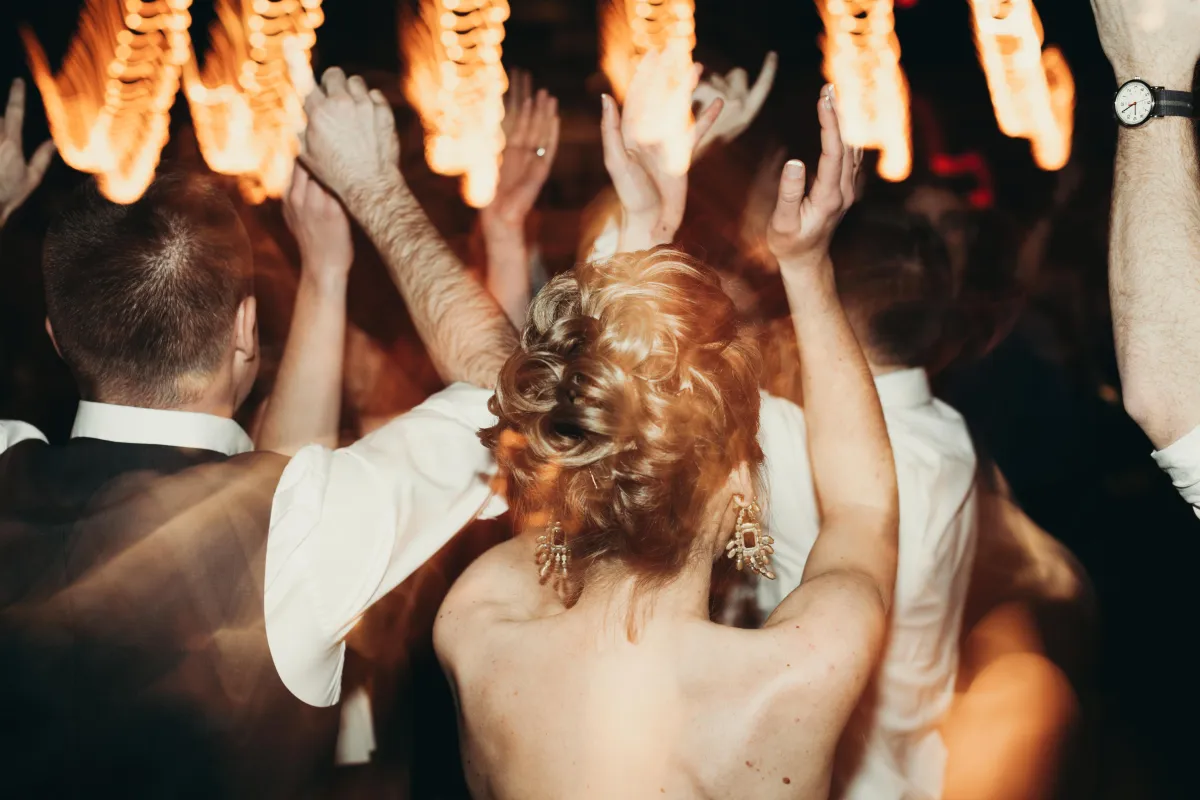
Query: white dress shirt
column 935, row 471
column 1181, row 460
column 347, row 526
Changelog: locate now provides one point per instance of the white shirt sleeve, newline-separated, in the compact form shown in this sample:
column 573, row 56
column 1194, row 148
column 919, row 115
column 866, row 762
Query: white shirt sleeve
column 348, row 525
column 13, row 432
column 1181, row 461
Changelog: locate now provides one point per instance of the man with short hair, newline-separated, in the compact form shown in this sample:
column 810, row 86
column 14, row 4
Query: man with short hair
column 173, row 607
column 894, row 280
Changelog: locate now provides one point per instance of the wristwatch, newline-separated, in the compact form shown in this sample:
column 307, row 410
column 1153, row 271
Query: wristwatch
column 1137, row 101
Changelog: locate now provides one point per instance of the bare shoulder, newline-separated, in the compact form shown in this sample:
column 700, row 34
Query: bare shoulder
column 491, row 590
column 835, row 625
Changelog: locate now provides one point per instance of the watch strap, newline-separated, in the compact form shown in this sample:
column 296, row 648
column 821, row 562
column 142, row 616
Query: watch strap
column 1168, row 103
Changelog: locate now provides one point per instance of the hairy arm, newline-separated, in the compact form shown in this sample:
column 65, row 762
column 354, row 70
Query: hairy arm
column 350, row 145
column 1154, row 276
column 468, row 335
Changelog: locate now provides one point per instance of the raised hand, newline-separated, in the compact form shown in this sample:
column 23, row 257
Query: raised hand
column 350, row 142
column 642, row 148
column 18, row 178
column 321, row 228
column 531, row 129
column 742, row 102
column 803, row 224
column 1157, row 40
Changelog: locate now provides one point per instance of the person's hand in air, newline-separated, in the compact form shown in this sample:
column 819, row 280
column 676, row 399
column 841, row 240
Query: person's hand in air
column 531, row 128
column 803, row 224
column 1156, row 40
column 322, row 231
column 350, row 143
column 649, row 148
column 18, row 177
column 742, row 101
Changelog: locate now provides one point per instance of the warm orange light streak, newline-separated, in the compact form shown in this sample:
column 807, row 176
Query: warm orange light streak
column 247, row 103
column 457, row 83
column 631, row 28
column 1033, row 91
column 108, row 106
column 862, row 60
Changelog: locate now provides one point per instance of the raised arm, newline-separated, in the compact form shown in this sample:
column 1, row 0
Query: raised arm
column 853, row 469
column 531, row 128
column 1154, row 258
column 306, row 403
column 18, row 177
column 641, row 151
column 351, row 146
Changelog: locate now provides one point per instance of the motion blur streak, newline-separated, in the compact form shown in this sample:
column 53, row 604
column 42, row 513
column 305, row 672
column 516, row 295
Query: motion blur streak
column 862, row 59
column 109, row 105
column 1033, row 91
column 631, row 28
column 457, row 83
column 248, row 102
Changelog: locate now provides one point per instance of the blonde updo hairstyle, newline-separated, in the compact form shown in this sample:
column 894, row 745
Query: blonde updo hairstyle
column 631, row 400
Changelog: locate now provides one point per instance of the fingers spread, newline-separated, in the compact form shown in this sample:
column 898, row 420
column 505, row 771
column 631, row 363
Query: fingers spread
column 827, row 189
column 14, row 115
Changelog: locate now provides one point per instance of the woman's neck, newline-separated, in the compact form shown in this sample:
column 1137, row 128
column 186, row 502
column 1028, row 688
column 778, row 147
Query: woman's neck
column 613, row 588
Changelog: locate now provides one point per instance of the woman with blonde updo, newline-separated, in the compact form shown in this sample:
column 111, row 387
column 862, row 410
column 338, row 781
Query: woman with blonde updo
column 581, row 651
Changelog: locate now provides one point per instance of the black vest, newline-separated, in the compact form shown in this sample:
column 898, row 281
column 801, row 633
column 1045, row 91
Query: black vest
column 133, row 651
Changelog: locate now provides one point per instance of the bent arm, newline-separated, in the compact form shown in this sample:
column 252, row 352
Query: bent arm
column 467, row 333
column 1154, row 276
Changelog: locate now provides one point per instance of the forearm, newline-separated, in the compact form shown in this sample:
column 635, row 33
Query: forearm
column 853, row 469
column 305, row 405
column 508, row 269
column 1154, row 276
column 464, row 329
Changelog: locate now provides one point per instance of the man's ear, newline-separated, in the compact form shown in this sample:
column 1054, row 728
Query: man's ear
column 245, row 331
column 53, row 341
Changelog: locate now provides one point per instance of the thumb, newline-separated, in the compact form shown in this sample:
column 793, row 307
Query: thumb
column 791, row 192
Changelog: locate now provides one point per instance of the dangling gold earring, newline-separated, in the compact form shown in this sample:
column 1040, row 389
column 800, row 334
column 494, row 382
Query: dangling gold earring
column 553, row 557
column 749, row 545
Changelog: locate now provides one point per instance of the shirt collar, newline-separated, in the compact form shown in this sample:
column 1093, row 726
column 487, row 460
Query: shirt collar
column 906, row 388
column 133, row 425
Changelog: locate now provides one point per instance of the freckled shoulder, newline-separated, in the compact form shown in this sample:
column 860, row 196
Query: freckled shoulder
column 489, row 591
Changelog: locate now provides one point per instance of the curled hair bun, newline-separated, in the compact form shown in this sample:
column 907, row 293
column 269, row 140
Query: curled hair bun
column 633, row 395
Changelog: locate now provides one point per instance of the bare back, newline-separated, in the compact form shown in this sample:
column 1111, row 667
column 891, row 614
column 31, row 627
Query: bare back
column 559, row 703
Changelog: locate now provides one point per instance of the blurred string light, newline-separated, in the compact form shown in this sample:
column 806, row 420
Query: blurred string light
column 247, row 103
column 109, row 105
column 862, row 59
column 1032, row 90
column 631, row 28
column 457, row 83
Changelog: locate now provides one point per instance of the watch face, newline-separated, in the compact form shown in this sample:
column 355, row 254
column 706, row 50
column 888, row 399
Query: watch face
column 1133, row 103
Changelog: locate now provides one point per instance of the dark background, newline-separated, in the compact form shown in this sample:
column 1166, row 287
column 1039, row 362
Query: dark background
column 1045, row 404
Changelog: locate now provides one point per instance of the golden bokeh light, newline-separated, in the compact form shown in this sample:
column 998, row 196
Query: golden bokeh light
column 1032, row 90
column 247, row 102
column 456, row 83
column 109, row 104
column 862, row 60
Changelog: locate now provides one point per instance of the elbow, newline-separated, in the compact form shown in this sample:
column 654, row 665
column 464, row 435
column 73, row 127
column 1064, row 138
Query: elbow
column 1163, row 416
